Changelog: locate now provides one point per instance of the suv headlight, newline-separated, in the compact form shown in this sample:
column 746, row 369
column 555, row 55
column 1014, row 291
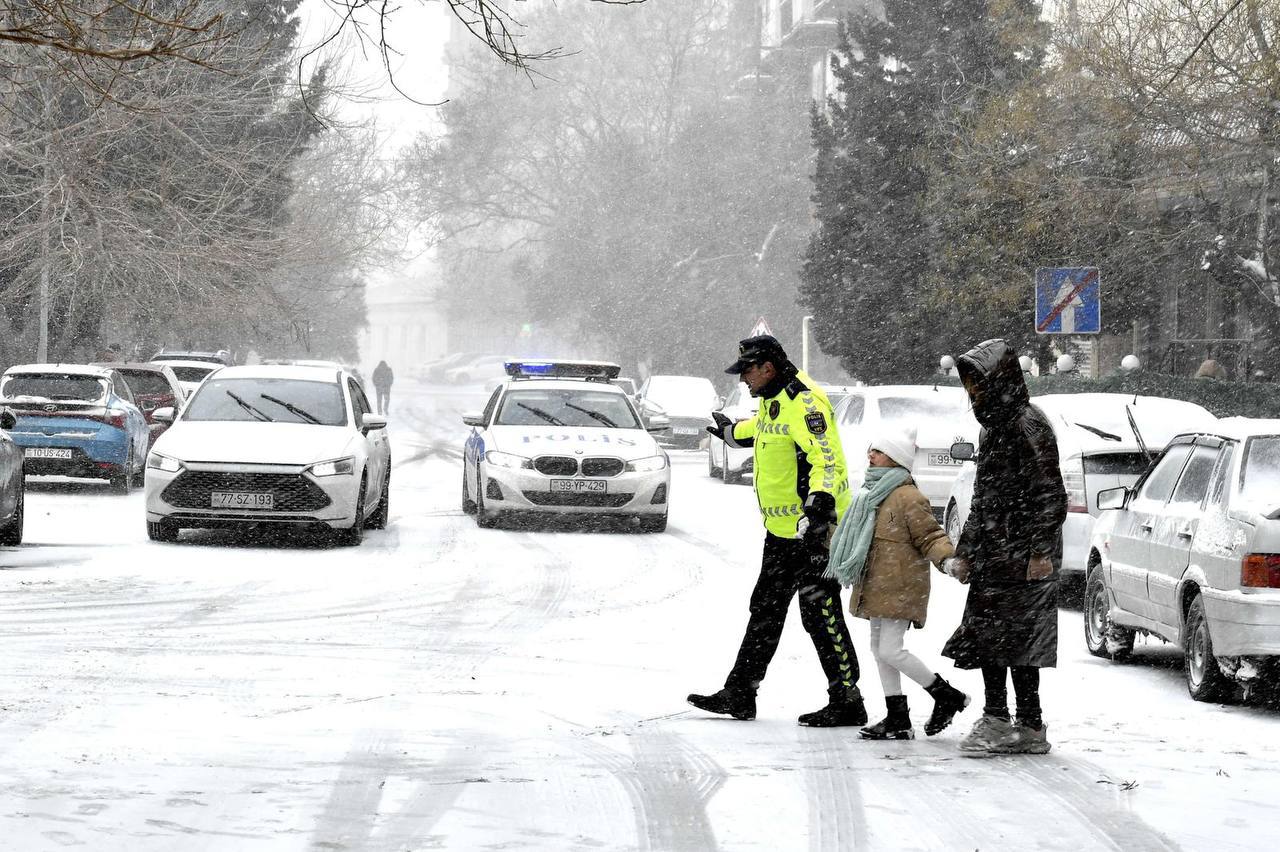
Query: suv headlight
column 337, row 467
column 647, row 464
column 499, row 459
column 159, row 462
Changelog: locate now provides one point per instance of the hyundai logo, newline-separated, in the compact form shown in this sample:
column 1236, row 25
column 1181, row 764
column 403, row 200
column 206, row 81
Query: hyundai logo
column 51, row 407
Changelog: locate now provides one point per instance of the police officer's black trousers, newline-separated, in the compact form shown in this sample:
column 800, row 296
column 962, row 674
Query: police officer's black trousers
column 785, row 570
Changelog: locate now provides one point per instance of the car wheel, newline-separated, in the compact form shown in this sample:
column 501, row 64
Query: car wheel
column 1205, row 681
column 378, row 520
column 468, row 505
column 162, row 530
column 353, row 535
column 712, row 470
column 483, row 519
column 951, row 522
column 1102, row 636
column 122, row 480
column 653, row 523
column 11, row 532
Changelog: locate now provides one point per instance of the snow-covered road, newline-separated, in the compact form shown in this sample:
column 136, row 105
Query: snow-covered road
column 449, row 687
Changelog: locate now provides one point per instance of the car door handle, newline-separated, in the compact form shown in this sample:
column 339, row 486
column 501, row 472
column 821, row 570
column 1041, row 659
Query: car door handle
column 1186, row 532
column 1146, row 527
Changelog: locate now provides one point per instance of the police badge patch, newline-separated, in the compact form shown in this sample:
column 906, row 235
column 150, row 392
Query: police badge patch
column 774, row 408
column 816, row 422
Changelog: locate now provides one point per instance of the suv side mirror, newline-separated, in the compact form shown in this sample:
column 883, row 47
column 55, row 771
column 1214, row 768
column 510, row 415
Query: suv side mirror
column 7, row 420
column 473, row 418
column 658, row 423
column 163, row 415
column 963, row 451
column 1113, row 498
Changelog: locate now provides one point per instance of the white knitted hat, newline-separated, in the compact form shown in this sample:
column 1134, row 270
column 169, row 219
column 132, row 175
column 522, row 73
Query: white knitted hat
column 898, row 443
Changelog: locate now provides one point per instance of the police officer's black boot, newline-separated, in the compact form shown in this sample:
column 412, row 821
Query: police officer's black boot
column 844, row 709
column 740, row 704
column 896, row 725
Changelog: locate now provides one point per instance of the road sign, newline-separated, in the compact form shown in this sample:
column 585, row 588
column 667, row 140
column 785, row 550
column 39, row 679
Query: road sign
column 1068, row 300
column 761, row 327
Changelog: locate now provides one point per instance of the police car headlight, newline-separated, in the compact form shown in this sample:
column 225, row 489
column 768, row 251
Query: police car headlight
column 498, row 459
column 647, row 464
column 156, row 461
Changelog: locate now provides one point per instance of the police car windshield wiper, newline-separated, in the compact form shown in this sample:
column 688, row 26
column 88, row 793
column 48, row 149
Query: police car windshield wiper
column 257, row 414
column 291, row 408
column 550, row 418
column 594, row 415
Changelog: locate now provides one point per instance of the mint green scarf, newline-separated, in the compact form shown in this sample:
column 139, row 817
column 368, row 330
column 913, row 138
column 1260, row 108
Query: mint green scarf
column 852, row 541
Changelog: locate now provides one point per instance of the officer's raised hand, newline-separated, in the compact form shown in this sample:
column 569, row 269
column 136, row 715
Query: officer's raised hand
column 723, row 424
column 814, row 526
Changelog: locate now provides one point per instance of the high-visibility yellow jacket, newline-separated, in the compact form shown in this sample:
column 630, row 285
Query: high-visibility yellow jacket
column 796, row 452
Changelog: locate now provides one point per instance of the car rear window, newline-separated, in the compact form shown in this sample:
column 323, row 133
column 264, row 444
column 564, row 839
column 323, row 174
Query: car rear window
column 1117, row 464
column 1260, row 472
column 575, row 408
column 192, row 374
column 911, row 408
column 53, row 386
column 278, row 400
column 147, row 383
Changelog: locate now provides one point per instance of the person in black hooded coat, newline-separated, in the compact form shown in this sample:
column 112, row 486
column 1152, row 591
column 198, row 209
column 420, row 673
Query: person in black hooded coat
column 1010, row 553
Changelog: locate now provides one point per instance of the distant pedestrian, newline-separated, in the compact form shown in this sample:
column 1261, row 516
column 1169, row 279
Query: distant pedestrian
column 1010, row 553
column 382, row 379
column 802, row 487
column 882, row 549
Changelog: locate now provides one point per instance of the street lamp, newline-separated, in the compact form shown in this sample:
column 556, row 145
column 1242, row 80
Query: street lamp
column 1066, row 363
column 804, row 343
column 1129, row 363
column 947, row 363
column 1025, row 362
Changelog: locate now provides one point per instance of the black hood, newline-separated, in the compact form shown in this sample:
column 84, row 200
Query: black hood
column 993, row 376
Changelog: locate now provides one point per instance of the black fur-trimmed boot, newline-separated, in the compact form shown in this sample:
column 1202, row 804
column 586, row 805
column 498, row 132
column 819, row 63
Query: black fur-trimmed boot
column 727, row 702
column 896, row 725
column 947, row 702
column 845, row 709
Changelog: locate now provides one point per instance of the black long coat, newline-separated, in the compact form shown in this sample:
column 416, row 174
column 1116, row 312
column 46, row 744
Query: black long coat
column 1019, row 504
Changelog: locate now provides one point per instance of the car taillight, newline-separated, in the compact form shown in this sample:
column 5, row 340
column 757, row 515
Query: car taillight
column 113, row 418
column 1261, row 571
column 1073, row 481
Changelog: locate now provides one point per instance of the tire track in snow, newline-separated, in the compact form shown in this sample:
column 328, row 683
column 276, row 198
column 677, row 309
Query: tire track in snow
column 837, row 819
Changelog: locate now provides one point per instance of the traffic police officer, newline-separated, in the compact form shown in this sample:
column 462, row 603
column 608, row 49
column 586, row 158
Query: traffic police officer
column 803, row 489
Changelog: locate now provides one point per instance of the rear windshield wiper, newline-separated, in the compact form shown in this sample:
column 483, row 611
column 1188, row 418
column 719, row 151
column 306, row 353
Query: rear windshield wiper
column 254, row 412
column 1101, row 434
column 292, row 409
column 594, row 415
column 550, row 418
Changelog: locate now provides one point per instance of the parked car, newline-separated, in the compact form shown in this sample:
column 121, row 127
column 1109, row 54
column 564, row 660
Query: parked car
column 436, row 370
column 485, row 368
column 1097, row 450
column 731, row 463
column 627, row 384
column 271, row 444
column 1191, row 554
column 222, row 357
column 76, row 420
column 190, row 373
column 13, row 483
column 941, row 416
column 686, row 402
column 153, row 386
column 563, row 441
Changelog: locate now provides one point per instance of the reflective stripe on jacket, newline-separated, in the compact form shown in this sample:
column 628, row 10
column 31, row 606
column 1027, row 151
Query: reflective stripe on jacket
column 796, row 451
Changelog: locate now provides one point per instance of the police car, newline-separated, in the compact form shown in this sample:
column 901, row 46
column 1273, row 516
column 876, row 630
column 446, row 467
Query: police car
column 557, row 438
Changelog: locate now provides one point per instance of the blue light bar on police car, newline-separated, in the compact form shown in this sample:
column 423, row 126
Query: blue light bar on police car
column 538, row 369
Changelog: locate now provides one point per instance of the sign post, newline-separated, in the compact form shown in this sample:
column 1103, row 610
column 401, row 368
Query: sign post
column 1068, row 300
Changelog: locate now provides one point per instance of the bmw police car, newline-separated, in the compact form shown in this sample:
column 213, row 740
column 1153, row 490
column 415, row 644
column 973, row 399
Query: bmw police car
column 557, row 438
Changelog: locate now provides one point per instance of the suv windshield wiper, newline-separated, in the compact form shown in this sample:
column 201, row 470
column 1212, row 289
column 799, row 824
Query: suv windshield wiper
column 550, row 418
column 1098, row 432
column 257, row 414
column 594, row 415
column 291, row 408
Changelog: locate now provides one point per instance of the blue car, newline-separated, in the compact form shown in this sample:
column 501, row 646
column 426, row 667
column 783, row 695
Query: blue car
column 76, row 420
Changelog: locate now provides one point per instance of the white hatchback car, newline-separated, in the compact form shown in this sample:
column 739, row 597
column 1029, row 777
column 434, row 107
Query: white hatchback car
column 558, row 439
column 1191, row 555
column 271, row 444
column 1097, row 450
column 941, row 416
column 724, row 461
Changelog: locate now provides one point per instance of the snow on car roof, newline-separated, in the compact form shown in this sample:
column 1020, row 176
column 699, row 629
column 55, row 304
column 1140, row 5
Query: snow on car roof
column 1159, row 418
column 1244, row 427
column 279, row 371
column 907, row 390
column 561, row 384
column 60, row 369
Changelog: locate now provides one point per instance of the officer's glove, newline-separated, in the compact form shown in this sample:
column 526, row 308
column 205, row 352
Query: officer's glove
column 815, row 525
column 723, row 424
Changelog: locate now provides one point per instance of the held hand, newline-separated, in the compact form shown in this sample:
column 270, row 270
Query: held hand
column 723, row 424
column 1039, row 568
column 958, row 568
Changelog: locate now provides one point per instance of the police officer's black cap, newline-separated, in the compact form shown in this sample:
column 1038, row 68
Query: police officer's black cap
column 757, row 350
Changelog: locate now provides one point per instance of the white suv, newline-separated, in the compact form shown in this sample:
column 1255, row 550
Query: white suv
column 1191, row 555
